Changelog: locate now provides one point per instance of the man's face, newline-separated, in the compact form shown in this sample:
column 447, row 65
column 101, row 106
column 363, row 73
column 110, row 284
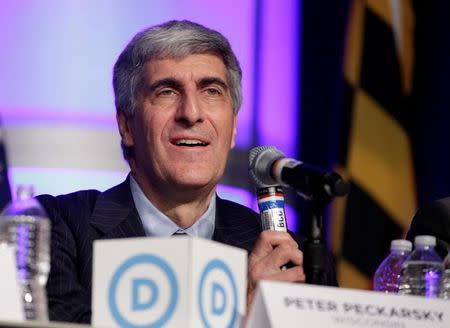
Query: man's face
column 184, row 125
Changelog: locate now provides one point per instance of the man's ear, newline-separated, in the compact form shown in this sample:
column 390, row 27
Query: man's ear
column 124, row 130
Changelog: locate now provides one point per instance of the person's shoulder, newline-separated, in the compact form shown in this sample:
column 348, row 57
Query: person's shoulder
column 442, row 204
column 72, row 208
column 77, row 198
column 439, row 209
column 433, row 219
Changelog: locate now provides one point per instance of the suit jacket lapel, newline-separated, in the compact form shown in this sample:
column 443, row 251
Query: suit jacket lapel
column 115, row 215
column 235, row 227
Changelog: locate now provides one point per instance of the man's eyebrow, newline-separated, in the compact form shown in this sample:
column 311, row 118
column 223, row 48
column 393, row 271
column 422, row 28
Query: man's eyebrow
column 167, row 82
column 204, row 82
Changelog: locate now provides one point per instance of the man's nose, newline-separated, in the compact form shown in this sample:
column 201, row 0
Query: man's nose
column 190, row 110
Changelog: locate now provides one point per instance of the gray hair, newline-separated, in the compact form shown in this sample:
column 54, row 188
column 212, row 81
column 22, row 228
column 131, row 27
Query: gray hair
column 171, row 40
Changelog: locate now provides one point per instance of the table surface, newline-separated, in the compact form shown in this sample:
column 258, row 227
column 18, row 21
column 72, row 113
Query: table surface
column 32, row 324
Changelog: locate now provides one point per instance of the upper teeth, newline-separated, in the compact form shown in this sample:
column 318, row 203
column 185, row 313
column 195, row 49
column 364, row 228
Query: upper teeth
column 189, row 142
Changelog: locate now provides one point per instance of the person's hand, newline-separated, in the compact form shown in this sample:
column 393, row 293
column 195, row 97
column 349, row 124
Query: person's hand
column 272, row 250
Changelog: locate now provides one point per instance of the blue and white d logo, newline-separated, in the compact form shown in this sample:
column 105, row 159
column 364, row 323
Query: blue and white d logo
column 153, row 288
column 217, row 295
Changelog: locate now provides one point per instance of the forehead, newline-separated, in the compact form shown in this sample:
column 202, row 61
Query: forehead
column 194, row 67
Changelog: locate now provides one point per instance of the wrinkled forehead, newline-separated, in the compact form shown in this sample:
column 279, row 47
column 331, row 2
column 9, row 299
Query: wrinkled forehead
column 194, row 66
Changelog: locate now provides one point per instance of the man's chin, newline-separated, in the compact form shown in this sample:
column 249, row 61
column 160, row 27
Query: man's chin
column 192, row 185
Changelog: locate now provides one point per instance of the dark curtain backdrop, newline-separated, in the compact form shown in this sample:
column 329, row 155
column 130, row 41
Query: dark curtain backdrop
column 324, row 25
column 323, row 33
column 431, row 100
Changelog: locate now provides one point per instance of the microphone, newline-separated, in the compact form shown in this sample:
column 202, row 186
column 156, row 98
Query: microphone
column 269, row 166
column 271, row 208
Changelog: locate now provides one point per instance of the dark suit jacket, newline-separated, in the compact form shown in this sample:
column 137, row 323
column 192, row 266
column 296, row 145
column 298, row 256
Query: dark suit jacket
column 433, row 219
column 80, row 218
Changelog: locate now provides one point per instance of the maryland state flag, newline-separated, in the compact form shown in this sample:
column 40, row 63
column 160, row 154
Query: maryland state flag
column 375, row 154
column 5, row 192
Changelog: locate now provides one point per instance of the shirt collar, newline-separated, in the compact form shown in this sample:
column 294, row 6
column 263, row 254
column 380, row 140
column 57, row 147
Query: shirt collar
column 157, row 224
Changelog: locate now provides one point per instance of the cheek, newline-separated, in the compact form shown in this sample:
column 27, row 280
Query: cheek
column 141, row 135
column 152, row 127
column 229, row 130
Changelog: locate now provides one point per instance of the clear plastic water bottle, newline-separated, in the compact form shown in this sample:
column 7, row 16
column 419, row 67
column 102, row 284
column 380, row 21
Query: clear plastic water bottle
column 422, row 270
column 444, row 292
column 386, row 278
column 25, row 226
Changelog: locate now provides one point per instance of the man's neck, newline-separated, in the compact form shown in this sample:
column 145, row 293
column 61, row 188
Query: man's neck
column 183, row 207
column 185, row 215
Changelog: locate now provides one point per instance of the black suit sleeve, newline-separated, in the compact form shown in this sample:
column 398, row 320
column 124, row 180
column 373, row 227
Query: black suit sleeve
column 433, row 219
column 68, row 299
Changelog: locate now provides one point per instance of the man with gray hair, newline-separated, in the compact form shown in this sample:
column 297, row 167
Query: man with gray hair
column 177, row 94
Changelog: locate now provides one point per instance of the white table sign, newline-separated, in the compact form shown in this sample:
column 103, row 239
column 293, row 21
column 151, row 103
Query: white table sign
column 168, row 282
column 11, row 307
column 299, row 305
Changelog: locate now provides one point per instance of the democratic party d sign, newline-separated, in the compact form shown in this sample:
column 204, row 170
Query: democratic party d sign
column 168, row 282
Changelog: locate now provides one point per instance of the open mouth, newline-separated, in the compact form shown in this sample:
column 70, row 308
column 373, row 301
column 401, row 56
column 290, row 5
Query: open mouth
column 190, row 143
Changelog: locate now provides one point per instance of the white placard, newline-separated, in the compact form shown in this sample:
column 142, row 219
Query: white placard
column 10, row 302
column 171, row 282
column 294, row 305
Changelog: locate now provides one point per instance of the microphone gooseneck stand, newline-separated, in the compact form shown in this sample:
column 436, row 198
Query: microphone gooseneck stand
column 314, row 250
column 322, row 191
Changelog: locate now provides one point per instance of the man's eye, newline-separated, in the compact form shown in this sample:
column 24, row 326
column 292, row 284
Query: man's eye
column 166, row 92
column 213, row 92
